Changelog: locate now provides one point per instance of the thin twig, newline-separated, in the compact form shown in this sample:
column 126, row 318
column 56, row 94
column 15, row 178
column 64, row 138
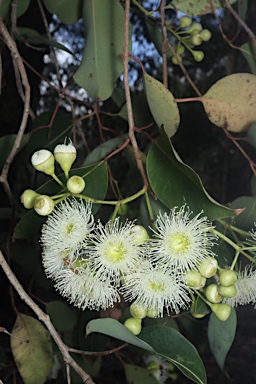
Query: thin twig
column 104, row 353
column 16, row 56
column 128, row 97
column 45, row 319
column 164, row 43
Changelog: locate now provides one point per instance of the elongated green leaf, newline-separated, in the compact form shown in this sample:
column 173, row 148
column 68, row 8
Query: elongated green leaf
column 96, row 179
column 162, row 105
column 5, row 8
column 33, row 37
column 231, row 102
column 101, row 64
column 138, row 375
column 68, row 12
column 34, row 359
column 6, row 145
column 221, row 335
column 164, row 341
column 249, row 53
column 242, row 8
column 199, row 7
column 246, row 219
column 62, row 315
column 175, row 184
column 156, row 38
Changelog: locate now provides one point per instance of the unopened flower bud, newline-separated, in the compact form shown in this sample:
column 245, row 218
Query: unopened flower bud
column 75, row 184
column 212, row 294
column 28, row 198
column 65, row 155
column 227, row 292
column 123, row 209
column 133, row 325
column 221, row 311
column 138, row 311
column 194, row 279
column 140, row 234
column 43, row 161
column 208, row 267
column 227, row 277
column 152, row 312
column 44, row 205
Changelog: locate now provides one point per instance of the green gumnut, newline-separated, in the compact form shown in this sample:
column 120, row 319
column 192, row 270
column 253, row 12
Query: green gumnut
column 196, row 40
column 198, row 55
column 212, row 293
column 194, row 279
column 227, row 277
column 195, row 28
column 208, row 267
column 175, row 61
column 133, row 325
column 185, row 21
column 221, row 311
column 205, row 35
column 180, row 49
column 227, row 292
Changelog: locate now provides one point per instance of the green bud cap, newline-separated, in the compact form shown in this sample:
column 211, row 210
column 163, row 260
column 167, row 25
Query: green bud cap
column 221, row 311
column 133, row 325
column 28, row 198
column 227, row 292
column 75, row 184
column 227, row 277
column 65, row 155
column 140, row 234
column 208, row 267
column 138, row 310
column 44, row 205
column 212, row 293
column 43, row 161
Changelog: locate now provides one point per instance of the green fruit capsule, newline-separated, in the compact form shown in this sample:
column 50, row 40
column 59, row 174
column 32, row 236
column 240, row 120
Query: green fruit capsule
column 227, row 277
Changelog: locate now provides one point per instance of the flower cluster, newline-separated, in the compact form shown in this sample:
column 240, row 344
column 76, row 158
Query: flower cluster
column 93, row 264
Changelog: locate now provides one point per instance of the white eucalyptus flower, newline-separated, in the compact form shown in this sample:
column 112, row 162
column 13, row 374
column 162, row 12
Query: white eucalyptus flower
column 245, row 288
column 66, row 230
column 180, row 241
column 84, row 290
column 156, row 288
column 158, row 366
column 115, row 250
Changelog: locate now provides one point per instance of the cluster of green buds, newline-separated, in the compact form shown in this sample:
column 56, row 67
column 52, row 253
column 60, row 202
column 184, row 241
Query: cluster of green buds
column 138, row 312
column 44, row 161
column 190, row 35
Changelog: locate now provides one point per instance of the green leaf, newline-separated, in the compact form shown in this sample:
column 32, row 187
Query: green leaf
column 96, row 179
column 249, row 53
column 221, row 335
column 246, row 219
column 62, row 315
column 175, row 184
column 138, row 375
column 156, row 38
column 34, row 359
column 67, row 12
column 33, row 37
column 199, row 309
column 231, row 102
column 6, row 145
column 162, row 105
column 242, row 9
column 101, row 64
column 196, row 8
column 103, row 150
column 5, row 7
column 251, row 135
column 164, row 341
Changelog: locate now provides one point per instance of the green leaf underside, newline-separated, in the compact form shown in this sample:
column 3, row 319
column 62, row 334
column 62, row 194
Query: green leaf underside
column 249, row 53
column 246, row 219
column 34, row 359
column 101, row 64
column 138, row 375
column 96, row 179
column 198, row 7
column 6, row 145
column 165, row 341
column 175, row 184
column 231, row 102
column 66, row 12
column 162, row 105
column 221, row 335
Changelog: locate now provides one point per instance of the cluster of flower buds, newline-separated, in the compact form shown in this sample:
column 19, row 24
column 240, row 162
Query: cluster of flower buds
column 190, row 35
column 44, row 161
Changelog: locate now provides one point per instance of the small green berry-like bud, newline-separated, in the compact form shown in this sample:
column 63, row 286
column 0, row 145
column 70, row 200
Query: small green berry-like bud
column 43, row 161
column 221, row 311
column 75, row 184
column 180, row 49
column 185, row 21
column 208, row 267
column 196, row 40
column 198, row 55
column 138, row 311
column 175, row 61
column 65, row 155
column 227, row 277
column 123, row 209
column 140, row 234
column 28, row 198
column 227, row 292
column 133, row 325
column 205, row 35
column 44, row 205
column 212, row 294
column 195, row 28
column 194, row 279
